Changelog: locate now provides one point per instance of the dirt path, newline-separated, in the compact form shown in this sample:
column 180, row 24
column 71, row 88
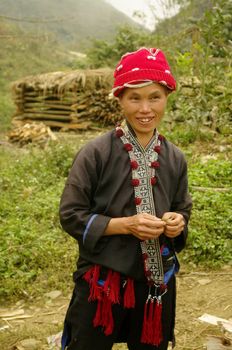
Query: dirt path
column 198, row 293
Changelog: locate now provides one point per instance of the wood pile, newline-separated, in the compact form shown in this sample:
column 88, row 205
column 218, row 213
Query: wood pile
column 31, row 133
column 66, row 100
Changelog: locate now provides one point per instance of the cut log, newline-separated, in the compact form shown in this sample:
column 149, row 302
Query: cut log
column 47, row 105
column 43, row 116
column 31, row 132
column 45, row 111
column 56, row 124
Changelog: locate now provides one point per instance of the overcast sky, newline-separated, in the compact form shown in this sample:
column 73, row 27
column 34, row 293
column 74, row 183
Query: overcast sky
column 130, row 6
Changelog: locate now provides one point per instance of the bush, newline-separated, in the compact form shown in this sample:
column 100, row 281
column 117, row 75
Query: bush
column 36, row 254
column 32, row 240
column 209, row 241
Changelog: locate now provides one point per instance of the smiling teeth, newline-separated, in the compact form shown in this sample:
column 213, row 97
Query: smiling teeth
column 145, row 120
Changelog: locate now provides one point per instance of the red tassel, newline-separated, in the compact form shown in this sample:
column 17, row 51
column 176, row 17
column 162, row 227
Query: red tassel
column 92, row 277
column 98, row 316
column 108, row 296
column 150, row 329
column 129, row 294
column 152, row 322
column 89, row 274
column 114, row 288
column 103, row 316
column 144, row 336
column 107, row 317
column 107, row 282
column 157, row 337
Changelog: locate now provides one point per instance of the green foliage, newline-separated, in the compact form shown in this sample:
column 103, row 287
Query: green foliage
column 184, row 63
column 217, row 28
column 183, row 136
column 201, row 51
column 210, row 235
column 101, row 54
column 127, row 39
column 33, row 245
column 32, row 242
column 35, row 253
column 207, row 56
column 7, row 109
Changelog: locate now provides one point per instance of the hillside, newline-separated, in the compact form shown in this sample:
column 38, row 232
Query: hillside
column 27, row 48
column 22, row 54
column 68, row 20
column 189, row 14
column 50, row 31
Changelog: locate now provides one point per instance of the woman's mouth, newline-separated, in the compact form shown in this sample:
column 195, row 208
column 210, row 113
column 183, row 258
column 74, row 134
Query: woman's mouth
column 145, row 120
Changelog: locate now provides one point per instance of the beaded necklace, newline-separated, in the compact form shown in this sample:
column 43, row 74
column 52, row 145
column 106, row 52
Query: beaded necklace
column 144, row 162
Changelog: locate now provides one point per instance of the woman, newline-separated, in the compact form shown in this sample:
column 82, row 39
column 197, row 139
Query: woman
column 126, row 202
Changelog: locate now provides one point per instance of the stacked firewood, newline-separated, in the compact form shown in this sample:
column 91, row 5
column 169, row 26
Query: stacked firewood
column 67, row 100
column 31, row 133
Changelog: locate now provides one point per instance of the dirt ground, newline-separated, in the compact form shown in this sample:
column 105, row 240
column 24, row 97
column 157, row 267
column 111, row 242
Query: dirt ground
column 32, row 324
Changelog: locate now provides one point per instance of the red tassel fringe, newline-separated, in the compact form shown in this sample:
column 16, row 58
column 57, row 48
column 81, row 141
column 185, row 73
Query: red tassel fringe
column 92, row 277
column 157, row 336
column 103, row 316
column 152, row 322
column 129, row 295
column 109, row 294
column 112, row 286
column 105, row 296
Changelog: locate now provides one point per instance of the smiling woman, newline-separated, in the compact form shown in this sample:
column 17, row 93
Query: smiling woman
column 144, row 108
column 126, row 202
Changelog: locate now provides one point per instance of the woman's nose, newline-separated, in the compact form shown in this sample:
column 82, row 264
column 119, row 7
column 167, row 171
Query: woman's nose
column 145, row 106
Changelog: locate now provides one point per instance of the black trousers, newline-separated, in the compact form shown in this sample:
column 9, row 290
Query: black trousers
column 80, row 333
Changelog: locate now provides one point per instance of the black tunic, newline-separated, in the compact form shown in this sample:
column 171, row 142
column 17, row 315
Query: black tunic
column 99, row 188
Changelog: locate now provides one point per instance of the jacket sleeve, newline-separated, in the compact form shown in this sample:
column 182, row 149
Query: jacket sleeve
column 77, row 216
column 182, row 203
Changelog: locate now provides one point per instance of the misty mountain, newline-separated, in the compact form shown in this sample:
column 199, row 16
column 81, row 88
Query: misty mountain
column 68, row 20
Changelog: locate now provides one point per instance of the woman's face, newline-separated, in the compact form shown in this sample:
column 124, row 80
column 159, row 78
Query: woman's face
column 144, row 107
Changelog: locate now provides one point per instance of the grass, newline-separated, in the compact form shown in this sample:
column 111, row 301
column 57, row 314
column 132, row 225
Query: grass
column 7, row 110
column 37, row 255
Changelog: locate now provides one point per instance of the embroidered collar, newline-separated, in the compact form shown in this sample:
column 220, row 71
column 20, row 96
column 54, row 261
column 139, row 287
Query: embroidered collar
column 144, row 162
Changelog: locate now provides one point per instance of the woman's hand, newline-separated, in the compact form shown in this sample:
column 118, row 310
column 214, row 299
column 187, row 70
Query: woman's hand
column 145, row 226
column 174, row 224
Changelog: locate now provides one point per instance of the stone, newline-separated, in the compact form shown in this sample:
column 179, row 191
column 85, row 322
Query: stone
column 53, row 294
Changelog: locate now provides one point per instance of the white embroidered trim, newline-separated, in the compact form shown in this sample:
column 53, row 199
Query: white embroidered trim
column 144, row 173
